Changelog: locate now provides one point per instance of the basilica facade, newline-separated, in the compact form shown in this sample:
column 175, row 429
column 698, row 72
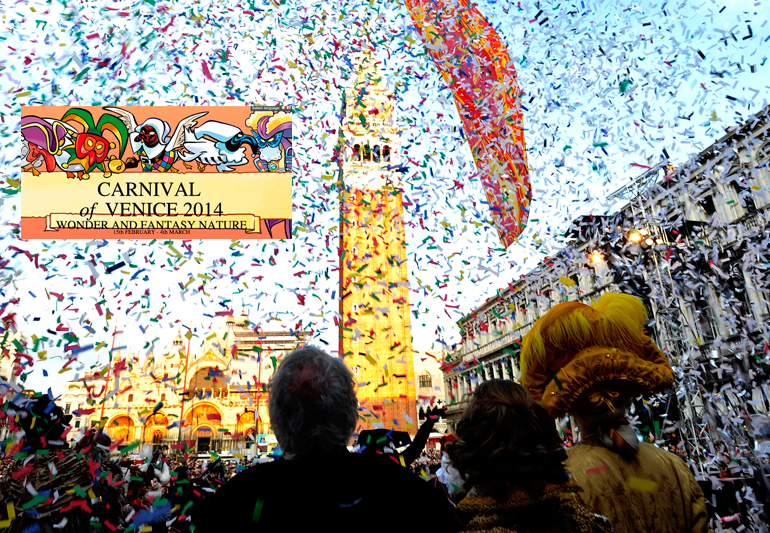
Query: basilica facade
column 187, row 398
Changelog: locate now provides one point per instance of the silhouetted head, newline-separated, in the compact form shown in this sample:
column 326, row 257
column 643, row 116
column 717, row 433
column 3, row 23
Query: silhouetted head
column 505, row 439
column 313, row 406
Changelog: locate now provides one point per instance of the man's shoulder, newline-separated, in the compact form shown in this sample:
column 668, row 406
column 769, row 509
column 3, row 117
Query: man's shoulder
column 670, row 460
column 387, row 465
column 586, row 449
column 259, row 475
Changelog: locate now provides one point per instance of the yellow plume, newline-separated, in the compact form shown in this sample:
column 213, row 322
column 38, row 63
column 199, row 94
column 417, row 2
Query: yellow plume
column 614, row 320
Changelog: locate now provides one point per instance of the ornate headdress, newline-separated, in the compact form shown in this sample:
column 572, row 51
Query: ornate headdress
column 581, row 358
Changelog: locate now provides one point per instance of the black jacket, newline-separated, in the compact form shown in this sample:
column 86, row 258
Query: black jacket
column 345, row 492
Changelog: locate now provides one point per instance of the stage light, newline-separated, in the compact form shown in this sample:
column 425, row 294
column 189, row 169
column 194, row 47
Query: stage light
column 634, row 237
column 649, row 242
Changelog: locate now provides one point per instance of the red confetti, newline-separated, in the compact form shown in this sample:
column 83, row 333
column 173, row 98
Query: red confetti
column 597, row 469
column 206, row 71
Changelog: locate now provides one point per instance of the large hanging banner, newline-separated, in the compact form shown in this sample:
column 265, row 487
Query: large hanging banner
column 475, row 65
column 156, row 172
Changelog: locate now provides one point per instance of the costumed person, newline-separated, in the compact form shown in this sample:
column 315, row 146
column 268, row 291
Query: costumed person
column 317, row 484
column 214, row 474
column 590, row 361
column 414, row 450
column 53, row 487
column 387, row 441
column 448, row 479
column 508, row 449
column 184, row 494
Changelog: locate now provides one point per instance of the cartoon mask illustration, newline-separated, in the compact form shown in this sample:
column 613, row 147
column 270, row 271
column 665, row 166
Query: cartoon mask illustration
column 156, row 148
column 91, row 147
column 217, row 143
column 272, row 131
column 43, row 139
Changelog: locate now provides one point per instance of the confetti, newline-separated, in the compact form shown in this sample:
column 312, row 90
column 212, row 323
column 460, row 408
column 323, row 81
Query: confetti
column 642, row 485
column 597, row 469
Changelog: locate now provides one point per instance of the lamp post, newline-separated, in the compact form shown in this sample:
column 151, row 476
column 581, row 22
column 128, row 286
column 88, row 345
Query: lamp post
column 255, row 413
column 646, row 241
column 107, row 379
column 178, row 342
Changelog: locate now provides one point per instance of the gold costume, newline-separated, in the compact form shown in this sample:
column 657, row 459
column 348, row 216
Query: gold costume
column 554, row 510
column 653, row 492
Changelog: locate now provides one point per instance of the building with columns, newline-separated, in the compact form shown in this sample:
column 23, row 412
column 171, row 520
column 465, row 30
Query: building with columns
column 375, row 328
column 692, row 243
column 8, row 370
column 429, row 380
column 217, row 389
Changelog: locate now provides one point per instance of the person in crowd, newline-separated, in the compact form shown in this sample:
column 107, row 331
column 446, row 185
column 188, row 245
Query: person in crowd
column 508, row 449
column 48, row 467
column 448, row 479
column 386, row 442
column 317, row 483
column 590, row 362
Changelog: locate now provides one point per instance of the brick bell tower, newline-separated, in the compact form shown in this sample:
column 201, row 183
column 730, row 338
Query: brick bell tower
column 375, row 328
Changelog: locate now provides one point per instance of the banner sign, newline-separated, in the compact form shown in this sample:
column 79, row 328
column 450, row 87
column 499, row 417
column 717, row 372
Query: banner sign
column 475, row 65
column 156, row 172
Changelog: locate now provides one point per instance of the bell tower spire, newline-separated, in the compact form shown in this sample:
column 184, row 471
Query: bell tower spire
column 375, row 328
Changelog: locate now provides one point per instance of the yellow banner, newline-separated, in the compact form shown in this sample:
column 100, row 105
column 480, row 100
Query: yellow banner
column 221, row 204
column 136, row 224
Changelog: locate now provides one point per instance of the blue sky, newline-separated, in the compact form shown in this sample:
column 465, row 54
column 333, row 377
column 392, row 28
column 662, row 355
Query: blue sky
column 692, row 69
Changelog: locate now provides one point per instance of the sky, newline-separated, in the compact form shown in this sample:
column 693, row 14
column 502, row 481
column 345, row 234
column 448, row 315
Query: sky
column 608, row 86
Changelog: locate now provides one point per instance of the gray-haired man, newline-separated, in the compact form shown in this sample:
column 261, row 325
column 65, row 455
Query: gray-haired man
column 314, row 412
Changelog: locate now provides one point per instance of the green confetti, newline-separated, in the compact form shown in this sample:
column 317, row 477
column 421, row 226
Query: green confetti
column 82, row 73
column 624, row 85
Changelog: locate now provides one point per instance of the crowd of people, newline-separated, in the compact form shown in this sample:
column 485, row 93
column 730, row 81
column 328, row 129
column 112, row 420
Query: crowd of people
column 505, row 469
column 428, row 463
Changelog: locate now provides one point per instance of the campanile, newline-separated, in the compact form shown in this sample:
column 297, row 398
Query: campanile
column 375, row 328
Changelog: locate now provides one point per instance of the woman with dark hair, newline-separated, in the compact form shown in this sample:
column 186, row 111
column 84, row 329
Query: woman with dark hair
column 513, row 460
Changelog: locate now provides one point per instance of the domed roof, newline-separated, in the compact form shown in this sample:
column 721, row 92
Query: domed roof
column 243, row 320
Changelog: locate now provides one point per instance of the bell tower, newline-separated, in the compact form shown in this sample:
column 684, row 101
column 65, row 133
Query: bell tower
column 375, row 329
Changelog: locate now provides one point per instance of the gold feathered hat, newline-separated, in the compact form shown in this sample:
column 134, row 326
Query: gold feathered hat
column 579, row 357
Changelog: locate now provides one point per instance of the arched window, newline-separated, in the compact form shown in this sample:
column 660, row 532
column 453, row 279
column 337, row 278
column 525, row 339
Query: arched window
column 357, row 152
column 130, row 397
column 764, row 152
column 163, row 397
column 354, row 308
column 157, row 437
column 425, row 380
column 386, row 153
column 356, row 369
column 376, row 153
column 738, row 179
column 367, row 152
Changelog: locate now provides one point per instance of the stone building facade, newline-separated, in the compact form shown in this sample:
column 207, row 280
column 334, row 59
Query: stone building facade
column 429, row 383
column 218, row 390
column 692, row 243
column 8, row 370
